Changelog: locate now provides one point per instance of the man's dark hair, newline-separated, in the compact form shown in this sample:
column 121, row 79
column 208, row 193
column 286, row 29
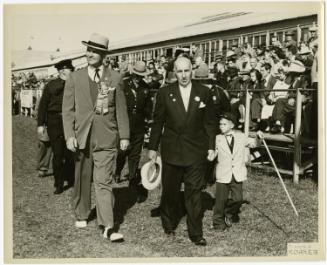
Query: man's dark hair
column 292, row 49
column 279, row 52
column 267, row 66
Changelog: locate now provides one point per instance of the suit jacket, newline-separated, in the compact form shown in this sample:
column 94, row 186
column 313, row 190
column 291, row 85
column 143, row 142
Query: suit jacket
column 78, row 108
column 139, row 106
column 232, row 163
column 185, row 137
column 51, row 100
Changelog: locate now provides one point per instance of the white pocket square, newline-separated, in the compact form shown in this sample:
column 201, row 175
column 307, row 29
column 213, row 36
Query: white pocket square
column 111, row 88
column 202, row 105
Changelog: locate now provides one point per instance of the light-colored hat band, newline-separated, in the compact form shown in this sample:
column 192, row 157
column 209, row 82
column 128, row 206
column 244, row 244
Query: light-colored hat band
column 135, row 71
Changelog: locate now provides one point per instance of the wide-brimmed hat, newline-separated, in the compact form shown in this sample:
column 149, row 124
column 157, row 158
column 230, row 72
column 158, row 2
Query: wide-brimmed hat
column 202, row 72
column 219, row 56
column 304, row 50
column 313, row 28
column 230, row 53
column 296, row 67
column 151, row 174
column 64, row 64
column 97, row 42
column 139, row 68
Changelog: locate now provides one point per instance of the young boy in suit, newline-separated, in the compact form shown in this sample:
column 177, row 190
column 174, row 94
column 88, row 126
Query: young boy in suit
column 230, row 171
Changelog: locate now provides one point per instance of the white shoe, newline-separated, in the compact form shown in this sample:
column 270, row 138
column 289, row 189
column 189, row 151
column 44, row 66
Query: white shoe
column 81, row 224
column 114, row 237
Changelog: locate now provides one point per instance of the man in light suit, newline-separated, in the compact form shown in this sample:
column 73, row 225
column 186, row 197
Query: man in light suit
column 184, row 124
column 95, row 119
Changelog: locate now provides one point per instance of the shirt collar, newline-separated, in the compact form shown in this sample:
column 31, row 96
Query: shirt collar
column 91, row 71
column 231, row 133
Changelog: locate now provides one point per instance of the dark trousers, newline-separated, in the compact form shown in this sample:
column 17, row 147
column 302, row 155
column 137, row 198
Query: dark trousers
column 256, row 108
column 134, row 155
column 45, row 158
column 283, row 112
column 171, row 203
column 221, row 207
column 63, row 163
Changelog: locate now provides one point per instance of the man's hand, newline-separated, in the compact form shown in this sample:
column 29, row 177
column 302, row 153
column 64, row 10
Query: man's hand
column 211, row 155
column 40, row 131
column 263, row 101
column 72, row 144
column 260, row 134
column 234, row 100
column 124, row 143
column 152, row 155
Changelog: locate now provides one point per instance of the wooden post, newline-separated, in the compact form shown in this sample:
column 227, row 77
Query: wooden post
column 297, row 135
column 298, row 31
column 209, row 57
column 247, row 112
column 267, row 38
column 221, row 43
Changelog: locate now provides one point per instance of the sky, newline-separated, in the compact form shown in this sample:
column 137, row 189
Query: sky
column 47, row 27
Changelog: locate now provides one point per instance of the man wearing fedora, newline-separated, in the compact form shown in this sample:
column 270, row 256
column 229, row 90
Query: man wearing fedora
column 50, row 119
column 139, row 107
column 184, row 125
column 95, row 123
column 289, row 41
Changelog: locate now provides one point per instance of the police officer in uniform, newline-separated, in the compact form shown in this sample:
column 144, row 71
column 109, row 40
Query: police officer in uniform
column 139, row 107
column 50, row 117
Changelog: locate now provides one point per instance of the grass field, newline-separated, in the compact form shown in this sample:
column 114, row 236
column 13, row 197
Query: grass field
column 43, row 223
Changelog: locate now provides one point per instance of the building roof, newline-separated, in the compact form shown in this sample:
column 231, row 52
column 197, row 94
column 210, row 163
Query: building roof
column 216, row 23
column 35, row 60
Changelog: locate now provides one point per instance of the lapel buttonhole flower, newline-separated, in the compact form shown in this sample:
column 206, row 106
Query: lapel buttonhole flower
column 197, row 99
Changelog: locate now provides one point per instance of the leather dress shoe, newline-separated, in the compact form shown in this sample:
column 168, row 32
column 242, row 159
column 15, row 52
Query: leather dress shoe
column 221, row 227
column 142, row 194
column 113, row 236
column 200, row 241
column 58, row 190
column 155, row 212
column 275, row 129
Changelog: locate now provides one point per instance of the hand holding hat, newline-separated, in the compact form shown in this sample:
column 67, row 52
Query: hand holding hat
column 151, row 173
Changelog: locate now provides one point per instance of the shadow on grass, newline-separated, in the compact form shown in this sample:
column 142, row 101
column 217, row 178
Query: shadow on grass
column 125, row 198
column 272, row 221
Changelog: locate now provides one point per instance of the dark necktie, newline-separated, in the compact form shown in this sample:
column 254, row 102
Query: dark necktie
column 230, row 142
column 97, row 75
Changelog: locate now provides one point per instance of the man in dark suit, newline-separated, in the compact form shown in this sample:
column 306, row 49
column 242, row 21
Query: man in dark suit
column 139, row 107
column 95, row 120
column 50, row 116
column 184, row 125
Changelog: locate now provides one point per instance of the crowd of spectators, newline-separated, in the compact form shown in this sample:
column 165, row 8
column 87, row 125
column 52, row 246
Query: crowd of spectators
column 270, row 73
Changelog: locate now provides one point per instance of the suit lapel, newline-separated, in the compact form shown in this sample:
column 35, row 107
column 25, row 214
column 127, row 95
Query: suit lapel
column 193, row 103
column 225, row 145
column 84, row 84
column 179, row 100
